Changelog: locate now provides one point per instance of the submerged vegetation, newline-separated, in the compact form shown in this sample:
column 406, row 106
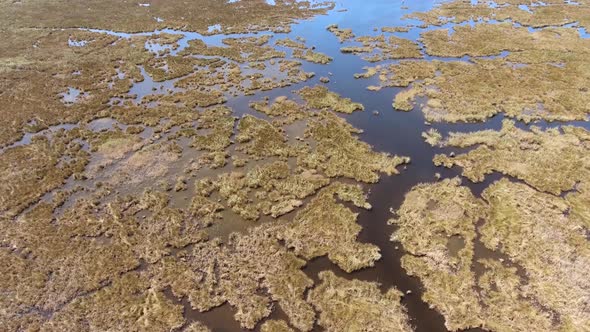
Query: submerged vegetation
column 163, row 162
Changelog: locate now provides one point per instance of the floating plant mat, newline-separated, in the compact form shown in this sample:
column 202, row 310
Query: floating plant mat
column 232, row 165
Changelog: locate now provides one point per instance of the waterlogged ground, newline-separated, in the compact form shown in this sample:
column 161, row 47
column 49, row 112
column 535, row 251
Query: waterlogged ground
column 294, row 166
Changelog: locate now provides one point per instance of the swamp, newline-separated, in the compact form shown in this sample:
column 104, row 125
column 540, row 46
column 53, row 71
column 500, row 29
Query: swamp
column 295, row 165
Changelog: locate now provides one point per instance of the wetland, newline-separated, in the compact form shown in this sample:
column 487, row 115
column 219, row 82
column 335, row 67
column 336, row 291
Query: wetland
column 252, row 165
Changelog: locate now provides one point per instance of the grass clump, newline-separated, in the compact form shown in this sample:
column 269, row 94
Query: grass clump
column 275, row 188
column 240, row 274
column 459, row 91
column 197, row 327
column 388, row 48
column 129, row 303
column 480, row 40
column 395, row 29
column 311, row 56
column 429, row 217
column 430, row 220
column 129, row 17
column 281, row 106
column 321, row 98
column 548, row 160
column 242, row 50
column 432, row 137
column 535, row 231
column 258, row 138
column 218, row 124
column 369, row 72
column 552, row 13
column 337, row 224
column 29, row 171
column 407, row 72
column 342, row 34
column 288, row 42
column 273, row 325
column 338, row 152
column 543, row 78
column 355, row 305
